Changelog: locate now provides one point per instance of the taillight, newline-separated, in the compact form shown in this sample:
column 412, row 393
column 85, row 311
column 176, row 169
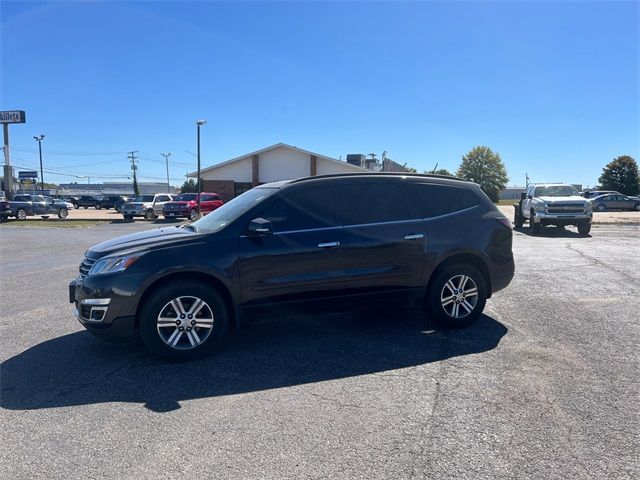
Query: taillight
column 506, row 222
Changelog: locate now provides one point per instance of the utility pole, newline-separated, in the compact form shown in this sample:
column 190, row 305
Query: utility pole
column 39, row 140
column 132, row 158
column 166, row 159
column 199, row 123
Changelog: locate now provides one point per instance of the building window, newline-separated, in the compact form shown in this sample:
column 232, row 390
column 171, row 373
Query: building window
column 242, row 187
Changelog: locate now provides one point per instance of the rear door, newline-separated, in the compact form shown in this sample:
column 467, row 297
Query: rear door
column 206, row 203
column 304, row 258
column 385, row 245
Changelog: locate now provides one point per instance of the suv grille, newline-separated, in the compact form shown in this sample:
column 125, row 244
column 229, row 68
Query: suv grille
column 85, row 266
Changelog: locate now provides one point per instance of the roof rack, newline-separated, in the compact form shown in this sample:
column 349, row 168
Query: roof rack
column 378, row 174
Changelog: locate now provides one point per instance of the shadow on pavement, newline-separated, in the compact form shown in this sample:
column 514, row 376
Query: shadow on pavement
column 553, row 232
column 77, row 369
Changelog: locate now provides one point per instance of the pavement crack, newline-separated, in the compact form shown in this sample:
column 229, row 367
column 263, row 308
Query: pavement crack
column 600, row 263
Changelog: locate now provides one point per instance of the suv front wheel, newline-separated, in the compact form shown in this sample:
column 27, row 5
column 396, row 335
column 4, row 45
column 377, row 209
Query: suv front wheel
column 183, row 321
column 456, row 296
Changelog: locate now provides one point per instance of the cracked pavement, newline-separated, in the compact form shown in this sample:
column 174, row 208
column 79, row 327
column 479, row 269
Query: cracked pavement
column 545, row 385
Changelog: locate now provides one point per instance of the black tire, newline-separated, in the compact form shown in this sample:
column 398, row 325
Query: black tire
column 636, row 207
column 21, row 214
column 518, row 220
column 76, row 206
column 193, row 215
column 128, row 217
column 534, row 227
column 158, row 303
column 63, row 213
column 85, row 207
column 584, row 228
column 150, row 215
column 601, row 208
column 98, row 206
column 438, row 289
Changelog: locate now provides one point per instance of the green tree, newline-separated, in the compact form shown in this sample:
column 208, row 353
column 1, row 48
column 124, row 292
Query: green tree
column 621, row 175
column 440, row 171
column 189, row 186
column 484, row 167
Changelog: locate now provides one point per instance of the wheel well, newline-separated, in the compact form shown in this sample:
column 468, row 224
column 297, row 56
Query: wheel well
column 192, row 276
column 468, row 259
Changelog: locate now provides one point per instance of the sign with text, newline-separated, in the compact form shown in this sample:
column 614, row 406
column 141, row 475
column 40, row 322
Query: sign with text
column 14, row 116
column 27, row 174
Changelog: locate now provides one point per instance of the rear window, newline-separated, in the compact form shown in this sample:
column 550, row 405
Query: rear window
column 431, row 200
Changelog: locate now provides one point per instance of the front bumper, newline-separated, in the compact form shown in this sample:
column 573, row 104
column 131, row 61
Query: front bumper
column 562, row 218
column 102, row 311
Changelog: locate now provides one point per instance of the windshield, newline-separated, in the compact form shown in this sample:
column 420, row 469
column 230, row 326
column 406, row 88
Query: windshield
column 144, row 198
column 186, row 197
column 227, row 213
column 556, row 191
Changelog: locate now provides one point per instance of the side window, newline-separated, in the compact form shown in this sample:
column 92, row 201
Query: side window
column 206, row 198
column 431, row 200
column 162, row 198
column 373, row 203
column 300, row 209
column 20, row 198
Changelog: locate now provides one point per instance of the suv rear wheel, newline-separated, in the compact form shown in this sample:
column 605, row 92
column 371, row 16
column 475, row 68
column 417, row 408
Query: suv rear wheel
column 456, row 296
column 183, row 321
column 21, row 214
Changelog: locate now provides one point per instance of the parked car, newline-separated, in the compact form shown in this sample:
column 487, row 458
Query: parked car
column 186, row 205
column 23, row 206
column 110, row 201
column 344, row 239
column 615, row 202
column 117, row 205
column 87, row 201
column 553, row 204
column 147, row 206
column 597, row 193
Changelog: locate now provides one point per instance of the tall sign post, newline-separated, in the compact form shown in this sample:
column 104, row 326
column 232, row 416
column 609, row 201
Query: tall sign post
column 13, row 116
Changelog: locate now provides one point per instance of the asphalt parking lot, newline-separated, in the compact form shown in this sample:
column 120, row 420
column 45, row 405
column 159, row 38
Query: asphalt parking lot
column 545, row 385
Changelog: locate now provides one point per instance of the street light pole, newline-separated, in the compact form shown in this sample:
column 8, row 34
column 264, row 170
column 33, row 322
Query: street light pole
column 199, row 123
column 166, row 159
column 39, row 140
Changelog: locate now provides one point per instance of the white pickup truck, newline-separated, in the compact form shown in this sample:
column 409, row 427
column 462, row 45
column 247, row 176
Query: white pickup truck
column 553, row 204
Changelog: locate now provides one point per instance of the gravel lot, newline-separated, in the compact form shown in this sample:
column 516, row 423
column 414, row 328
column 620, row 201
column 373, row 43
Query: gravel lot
column 545, row 385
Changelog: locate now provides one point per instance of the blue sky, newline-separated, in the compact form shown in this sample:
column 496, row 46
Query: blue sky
column 551, row 86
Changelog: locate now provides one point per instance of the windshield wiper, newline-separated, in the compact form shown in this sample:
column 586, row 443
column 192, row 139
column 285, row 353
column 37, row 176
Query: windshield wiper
column 191, row 226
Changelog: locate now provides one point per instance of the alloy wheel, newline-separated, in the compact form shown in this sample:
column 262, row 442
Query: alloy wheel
column 185, row 322
column 459, row 296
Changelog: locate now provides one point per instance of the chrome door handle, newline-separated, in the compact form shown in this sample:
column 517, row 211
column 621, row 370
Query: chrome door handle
column 329, row 244
column 413, row 236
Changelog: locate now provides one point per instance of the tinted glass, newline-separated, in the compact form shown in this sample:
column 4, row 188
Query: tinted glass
column 186, row 197
column 20, row 198
column 432, row 200
column 372, row 203
column 300, row 209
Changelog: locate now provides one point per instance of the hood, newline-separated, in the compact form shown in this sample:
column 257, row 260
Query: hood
column 574, row 199
column 180, row 202
column 140, row 240
column 136, row 204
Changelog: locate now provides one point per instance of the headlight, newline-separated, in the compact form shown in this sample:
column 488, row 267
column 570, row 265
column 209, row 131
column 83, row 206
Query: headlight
column 538, row 207
column 588, row 207
column 114, row 264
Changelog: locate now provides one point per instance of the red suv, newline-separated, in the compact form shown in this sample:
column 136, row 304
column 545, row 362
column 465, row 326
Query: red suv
column 186, row 205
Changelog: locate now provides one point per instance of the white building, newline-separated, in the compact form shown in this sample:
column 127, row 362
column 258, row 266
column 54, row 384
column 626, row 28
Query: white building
column 277, row 162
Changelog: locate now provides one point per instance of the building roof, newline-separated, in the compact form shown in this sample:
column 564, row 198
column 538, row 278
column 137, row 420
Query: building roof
column 268, row 149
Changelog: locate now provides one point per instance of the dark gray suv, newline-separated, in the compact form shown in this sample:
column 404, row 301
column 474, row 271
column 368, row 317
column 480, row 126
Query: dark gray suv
column 335, row 240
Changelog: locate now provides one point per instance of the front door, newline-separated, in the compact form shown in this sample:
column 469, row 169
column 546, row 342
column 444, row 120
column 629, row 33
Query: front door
column 304, row 257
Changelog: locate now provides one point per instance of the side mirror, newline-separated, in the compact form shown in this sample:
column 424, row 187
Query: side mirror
column 529, row 196
column 523, row 195
column 260, row 226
